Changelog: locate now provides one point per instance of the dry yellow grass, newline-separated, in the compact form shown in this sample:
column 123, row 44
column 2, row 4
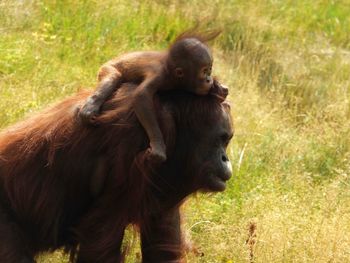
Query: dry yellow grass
column 288, row 67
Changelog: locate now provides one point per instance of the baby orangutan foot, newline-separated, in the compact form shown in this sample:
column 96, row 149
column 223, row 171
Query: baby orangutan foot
column 156, row 154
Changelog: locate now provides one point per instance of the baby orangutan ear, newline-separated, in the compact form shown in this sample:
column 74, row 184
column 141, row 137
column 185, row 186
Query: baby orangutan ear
column 179, row 73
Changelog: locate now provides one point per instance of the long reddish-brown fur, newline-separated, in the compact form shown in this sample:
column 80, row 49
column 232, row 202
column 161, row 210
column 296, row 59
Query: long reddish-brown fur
column 49, row 161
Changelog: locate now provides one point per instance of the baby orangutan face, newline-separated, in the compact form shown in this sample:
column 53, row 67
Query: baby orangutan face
column 204, row 80
column 201, row 80
column 197, row 73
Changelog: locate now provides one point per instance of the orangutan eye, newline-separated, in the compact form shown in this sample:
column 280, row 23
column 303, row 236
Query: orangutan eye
column 206, row 72
column 225, row 138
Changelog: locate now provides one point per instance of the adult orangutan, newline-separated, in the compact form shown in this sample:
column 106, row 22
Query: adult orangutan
column 66, row 185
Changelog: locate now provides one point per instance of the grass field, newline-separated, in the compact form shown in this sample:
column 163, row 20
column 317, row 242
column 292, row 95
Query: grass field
column 288, row 67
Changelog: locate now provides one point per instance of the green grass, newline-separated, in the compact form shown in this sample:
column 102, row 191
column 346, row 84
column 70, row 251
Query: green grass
column 288, row 67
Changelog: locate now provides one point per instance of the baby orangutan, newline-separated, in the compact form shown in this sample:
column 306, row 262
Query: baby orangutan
column 187, row 65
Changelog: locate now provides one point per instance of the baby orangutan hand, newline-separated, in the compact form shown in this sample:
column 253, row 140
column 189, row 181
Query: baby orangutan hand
column 89, row 112
column 219, row 90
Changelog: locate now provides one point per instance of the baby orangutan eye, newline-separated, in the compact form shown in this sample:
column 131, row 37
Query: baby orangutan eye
column 206, row 72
